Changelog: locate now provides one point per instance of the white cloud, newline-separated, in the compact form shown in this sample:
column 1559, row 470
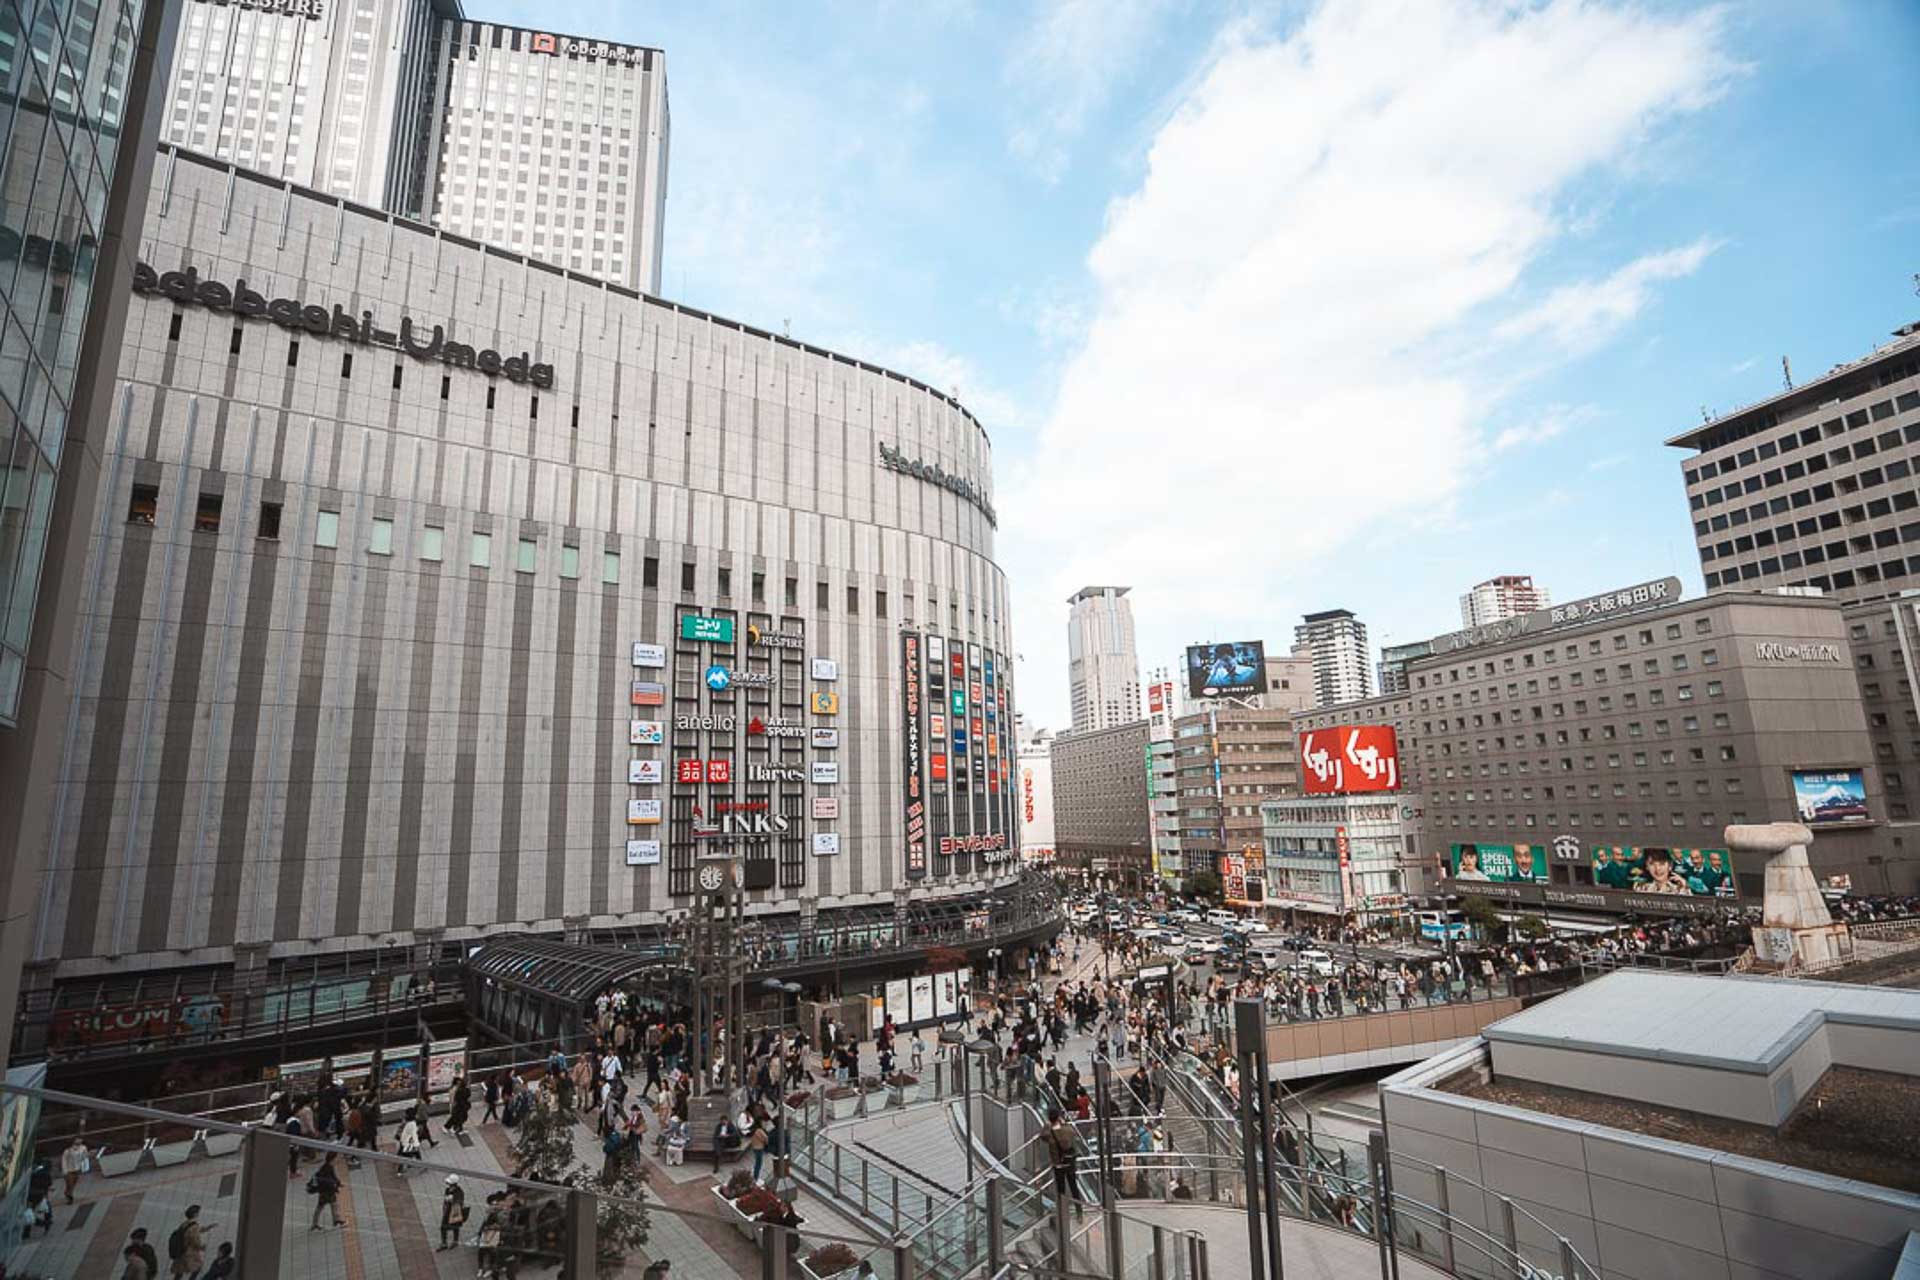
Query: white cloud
column 1528, row 434
column 1325, row 219
column 1582, row 315
column 1063, row 69
column 996, row 408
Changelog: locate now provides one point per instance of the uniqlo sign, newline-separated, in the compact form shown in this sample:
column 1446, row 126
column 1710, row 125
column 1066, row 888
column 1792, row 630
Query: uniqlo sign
column 1349, row 759
column 689, row 770
column 720, row 772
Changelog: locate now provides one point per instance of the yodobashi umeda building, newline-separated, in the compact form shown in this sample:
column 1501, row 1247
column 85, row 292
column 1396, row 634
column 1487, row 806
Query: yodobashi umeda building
column 437, row 589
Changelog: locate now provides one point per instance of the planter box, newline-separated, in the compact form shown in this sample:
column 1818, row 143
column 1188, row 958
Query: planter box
column 811, row 1274
column 843, row 1108
column 878, row 1100
column 907, row 1094
column 749, row 1228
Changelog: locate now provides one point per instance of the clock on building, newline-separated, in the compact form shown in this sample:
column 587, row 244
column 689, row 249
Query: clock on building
column 711, row 877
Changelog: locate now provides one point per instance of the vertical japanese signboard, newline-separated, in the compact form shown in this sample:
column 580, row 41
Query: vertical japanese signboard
column 913, row 796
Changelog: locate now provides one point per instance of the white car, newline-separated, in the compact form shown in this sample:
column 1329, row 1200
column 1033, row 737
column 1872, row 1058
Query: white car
column 1317, row 962
column 1209, row 945
column 1252, row 926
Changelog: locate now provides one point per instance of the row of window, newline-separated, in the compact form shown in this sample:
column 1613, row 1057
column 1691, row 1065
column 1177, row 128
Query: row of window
column 1702, row 625
column 143, row 507
column 1551, row 821
column 1858, row 451
column 1811, row 526
column 1677, row 663
column 1877, row 412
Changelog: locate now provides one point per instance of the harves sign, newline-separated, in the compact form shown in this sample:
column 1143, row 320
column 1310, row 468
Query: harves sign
column 187, row 289
column 934, row 473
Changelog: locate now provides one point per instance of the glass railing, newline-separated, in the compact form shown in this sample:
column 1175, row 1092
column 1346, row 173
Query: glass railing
column 302, row 1209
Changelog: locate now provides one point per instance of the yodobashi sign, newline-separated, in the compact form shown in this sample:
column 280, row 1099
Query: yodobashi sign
column 1645, row 595
column 933, row 473
column 1790, row 651
column 187, row 289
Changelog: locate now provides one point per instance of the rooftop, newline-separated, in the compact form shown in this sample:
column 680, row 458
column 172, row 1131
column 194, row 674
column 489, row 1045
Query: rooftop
column 1738, row 1024
column 1791, row 403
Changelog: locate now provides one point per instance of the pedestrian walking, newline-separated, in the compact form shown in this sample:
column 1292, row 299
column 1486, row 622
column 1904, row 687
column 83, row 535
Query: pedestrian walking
column 325, row 1185
column 453, row 1213
column 75, row 1161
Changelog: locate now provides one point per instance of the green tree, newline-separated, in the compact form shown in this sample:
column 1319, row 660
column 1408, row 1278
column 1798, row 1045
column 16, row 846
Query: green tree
column 1480, row 914
column 1530, row 926
column 1205, row 884
column 543, row 1151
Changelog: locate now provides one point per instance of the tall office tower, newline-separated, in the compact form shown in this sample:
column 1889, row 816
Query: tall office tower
column 336, row 95
column 1814, row 487
column 1338, row 642
column 1507, row 596
column 1102, row 665
column 553, row 147
column 80, row 97
column 544, row 144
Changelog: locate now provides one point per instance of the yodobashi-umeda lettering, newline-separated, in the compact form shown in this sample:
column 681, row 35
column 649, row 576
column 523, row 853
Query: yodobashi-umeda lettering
column 186, row 288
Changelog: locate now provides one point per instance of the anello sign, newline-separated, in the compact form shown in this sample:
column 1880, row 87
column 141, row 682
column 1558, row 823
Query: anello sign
column 186, row 288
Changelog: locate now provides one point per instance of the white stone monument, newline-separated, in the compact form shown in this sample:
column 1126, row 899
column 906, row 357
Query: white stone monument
column 1796, row 930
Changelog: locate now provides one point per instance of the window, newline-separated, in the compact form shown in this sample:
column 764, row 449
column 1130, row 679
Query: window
column 569, row 561
column 792, row 595
column 610, row 567
column 759, row 588
column 346, row 364
column 233, row 342
column 482, row 553
column 820, row 596
column 726, row 583
column 650, row 571
column 1684, row 693
column 526, row 556
column 853, row 601
column 446, row 386
column 1680, row 661
column 144, row 504
column 686, row 577
column 1709, row 657
column 1727, row 754
column 1713, row 688
column 206, row 515
column 380, row 537
column 269, row 521
column 293, row 354
column 432, row 539
column 326, row 530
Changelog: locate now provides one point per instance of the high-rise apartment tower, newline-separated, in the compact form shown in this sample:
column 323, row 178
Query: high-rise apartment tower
column 1507, row 596
column 1338, row 642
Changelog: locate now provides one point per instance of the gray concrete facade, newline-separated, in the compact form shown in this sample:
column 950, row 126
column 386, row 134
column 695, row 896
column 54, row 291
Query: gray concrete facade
column 1657, row 728
column 1100, row 818
column 367, row 676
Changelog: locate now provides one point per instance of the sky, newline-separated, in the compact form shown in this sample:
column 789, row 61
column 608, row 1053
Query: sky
column 1273, row 308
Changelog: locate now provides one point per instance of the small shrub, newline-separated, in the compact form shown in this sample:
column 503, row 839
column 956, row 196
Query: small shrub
column 799, row 1098
column 738, row 1185
column 841, row 1092
column 901, row 1080
column 759, row 1201
column 830, row 1259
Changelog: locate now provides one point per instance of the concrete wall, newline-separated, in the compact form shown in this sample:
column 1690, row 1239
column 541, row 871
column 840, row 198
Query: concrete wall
column 1299, row 1049
column 1638, row 1208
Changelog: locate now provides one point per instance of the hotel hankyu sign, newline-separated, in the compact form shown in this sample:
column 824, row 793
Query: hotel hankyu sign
column 1600, row 608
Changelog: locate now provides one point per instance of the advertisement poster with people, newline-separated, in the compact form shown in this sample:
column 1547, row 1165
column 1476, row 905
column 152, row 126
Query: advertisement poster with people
column 1500, row 863
column 1830, row 795
column 1701, row 873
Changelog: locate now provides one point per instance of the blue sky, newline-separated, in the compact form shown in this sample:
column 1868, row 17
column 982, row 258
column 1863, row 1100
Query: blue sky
column 1275, row 308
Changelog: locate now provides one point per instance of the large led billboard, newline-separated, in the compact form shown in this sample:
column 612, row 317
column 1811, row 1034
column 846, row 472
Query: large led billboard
column 1349, row 759
column 1699, row 873
column 1500, row 863
column 1236, row 669
column 1830, row 795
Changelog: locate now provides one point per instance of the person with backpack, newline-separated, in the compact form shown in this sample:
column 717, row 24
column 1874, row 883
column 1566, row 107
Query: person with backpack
column 325, row 1184
column 1060, row 1142
column 453, row 1213
column 137, row 1242
column 611, row 1145
column 187, row 1246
